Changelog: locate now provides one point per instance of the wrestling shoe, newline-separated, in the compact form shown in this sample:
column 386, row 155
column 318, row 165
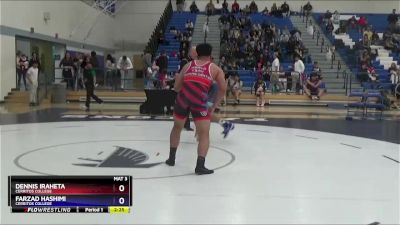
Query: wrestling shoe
column 170, row 162
column 228, row 126
column 203, row 171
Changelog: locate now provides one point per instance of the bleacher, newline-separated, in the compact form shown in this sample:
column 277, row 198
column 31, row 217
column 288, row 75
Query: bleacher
column 345, row 49
column 259, row 18
column 249, row 76
column 178, row 20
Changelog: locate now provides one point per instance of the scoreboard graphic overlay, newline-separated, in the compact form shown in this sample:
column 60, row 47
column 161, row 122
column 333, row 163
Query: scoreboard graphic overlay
column 70, row 194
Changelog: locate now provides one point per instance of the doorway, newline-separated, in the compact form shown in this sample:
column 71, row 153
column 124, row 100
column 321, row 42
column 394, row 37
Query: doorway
column 49, row 54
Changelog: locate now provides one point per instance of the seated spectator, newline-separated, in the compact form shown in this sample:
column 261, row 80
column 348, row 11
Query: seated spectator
column 329, row 27
column 336, row 17
column 235, row 86
column 365, row 58
column 265, row 12
column 189, row 25
column 161, row 39
column 246, row 10
column 225, row 7
column 312, row 88
column 366, row 42
column 393, row 18
column 285, row 9
column 210, row 8
column 307, row 8
column 363, row 74
column 259, row 91
column 373, row 76
column 316, row 68
column 375, row 38
column 250, row 61
column 285, row 35
column 362, row 22
column 235, row 7
column 222, row 62
column 352, row 22
column 173, row 30
column 394, row 73
column 327, row 16
column 253, row 7
column 183, row 54
column 395, row 80
column 193, row 8
column 390, row 44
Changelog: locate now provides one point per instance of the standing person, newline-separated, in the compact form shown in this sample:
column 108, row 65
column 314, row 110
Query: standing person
column 285, row 9
column 193, row 84
column 88, row 76
column 235, row 85
column 180, row 5
column 162, row 63
column 95, row 65
column 32, row 75
column 23, row 65
column 79, row 83
column 210, row 8
column 259, row 91
column 235, row 7
column 67, row 66
column 275, row 67
column 35, row 58
column 299, row 69
column 147, row 61
column 206, row 30
column 193, row 8
column 110, row 73
column 124, row 64
column 18, row 67
column 212, row 95
column 307, row 8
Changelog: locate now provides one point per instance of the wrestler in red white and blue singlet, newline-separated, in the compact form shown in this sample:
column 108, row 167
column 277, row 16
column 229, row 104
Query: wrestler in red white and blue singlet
column 193, row 96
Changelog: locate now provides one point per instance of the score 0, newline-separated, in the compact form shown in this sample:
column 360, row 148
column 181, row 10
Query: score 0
column 122, row 190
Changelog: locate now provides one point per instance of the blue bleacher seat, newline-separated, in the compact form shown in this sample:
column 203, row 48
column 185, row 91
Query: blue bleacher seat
column 178, row 20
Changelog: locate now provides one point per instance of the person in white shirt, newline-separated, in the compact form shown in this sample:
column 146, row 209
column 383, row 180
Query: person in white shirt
column 275, row 73
column 124, row 64
column 32, row 76
column 299, row 70
column 336, row 17
column 206, row 30
column 310, row 29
